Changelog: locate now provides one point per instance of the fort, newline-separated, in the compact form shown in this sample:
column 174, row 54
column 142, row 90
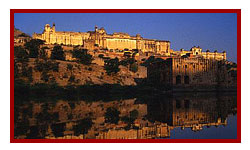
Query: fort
column 99, row 38
column 191, row 69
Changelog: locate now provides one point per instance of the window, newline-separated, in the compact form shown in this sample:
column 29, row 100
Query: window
column 178, row 79
column 178, row 105
column 186, row 104
column 186, row 79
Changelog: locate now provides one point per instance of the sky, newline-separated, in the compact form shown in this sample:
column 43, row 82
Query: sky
column 213, row 31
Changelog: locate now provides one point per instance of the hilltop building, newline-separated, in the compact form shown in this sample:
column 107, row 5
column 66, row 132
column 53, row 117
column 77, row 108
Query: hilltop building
column 101, row 39
column 118, row 41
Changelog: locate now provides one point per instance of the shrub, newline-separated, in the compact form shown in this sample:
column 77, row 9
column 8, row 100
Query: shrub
column 133, row 115
column 58, row 129
column 112, row 66
column 16, row 70
column 112, row 115
column 128, row 61
column 100, row 55
column 69, row 67
column 43, row 53
column 71, row 79
column 82, row 56
column 33, row 46
column 45, row 76
column 58, row 53
column 46, row 66
column 54, row 66
column 21, row 54
column 90, row 69
column 133, row 67
column 82, row 126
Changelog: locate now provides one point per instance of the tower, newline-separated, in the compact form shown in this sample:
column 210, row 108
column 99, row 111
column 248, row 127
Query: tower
column 47, row 33
column 96, row 28
column 47, row 28
column 54, row 27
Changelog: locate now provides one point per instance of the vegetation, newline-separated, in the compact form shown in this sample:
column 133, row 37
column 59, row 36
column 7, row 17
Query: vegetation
column 132, row 117
column 43, row 53
column 33, row 47
column 112, row 66
column 112, row 115
column 82, row 56
column 82, row 126
column 46, row 66
column 69, row 67
column 23, row 35
column 71, row 79
column 100, row 55
column 150, row 60
column 20, row 54
column 131, row 62
column 58, row 129
column 127, row 62
column 133, row 67
column 57, row 53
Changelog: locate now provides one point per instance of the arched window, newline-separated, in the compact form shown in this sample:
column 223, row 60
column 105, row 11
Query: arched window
column 178, row 79
column 186, row 79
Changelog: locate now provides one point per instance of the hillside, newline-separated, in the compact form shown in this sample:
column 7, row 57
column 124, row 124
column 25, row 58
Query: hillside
column 18, row 33
column 66, row 73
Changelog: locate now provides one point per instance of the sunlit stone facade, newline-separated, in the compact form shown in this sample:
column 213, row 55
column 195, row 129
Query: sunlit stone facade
column 99, row 38
column 189, row 73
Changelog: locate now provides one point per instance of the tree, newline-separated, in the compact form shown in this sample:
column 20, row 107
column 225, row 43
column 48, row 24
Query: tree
column 126, row 62
column 23, row 35
column 150, row 60
column 82, row 126
column 33, row 46
column 69, row 67
column 112, row 66
column 112, row 115
column 57, row 53
column 58, row 129
column 133, row 67
column 43, row 53
column 133, row 115
column 20, row 54
column 71, row 79
column 100, row 55
column 16, row 70
column 82, row 56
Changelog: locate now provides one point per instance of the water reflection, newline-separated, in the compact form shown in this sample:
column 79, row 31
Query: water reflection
column 137, row 118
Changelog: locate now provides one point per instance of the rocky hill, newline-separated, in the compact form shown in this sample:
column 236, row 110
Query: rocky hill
column 66, row 73
column 18, row 33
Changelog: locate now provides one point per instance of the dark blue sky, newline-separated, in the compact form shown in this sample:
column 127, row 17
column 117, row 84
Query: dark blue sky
column 207, row 30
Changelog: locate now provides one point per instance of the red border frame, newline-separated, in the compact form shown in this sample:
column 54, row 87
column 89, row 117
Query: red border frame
column 237, row 11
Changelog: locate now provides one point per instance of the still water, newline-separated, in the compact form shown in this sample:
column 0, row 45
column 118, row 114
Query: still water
column 179, row 116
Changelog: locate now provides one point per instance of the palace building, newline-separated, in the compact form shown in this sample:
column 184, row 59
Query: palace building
column 191, row 73
column 101, row 39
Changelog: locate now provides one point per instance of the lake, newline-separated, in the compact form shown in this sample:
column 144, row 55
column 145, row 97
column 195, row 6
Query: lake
column 176, row 116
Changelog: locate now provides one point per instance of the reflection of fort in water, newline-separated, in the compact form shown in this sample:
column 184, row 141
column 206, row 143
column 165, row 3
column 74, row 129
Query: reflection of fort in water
column 156, row 118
